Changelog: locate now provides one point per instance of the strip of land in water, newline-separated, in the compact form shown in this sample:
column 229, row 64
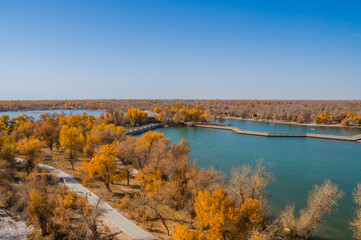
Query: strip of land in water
column 266, row 134
column 148, row 127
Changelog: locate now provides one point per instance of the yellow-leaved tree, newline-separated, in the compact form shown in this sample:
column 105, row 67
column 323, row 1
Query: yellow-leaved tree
column 72, row 140
column 103, row 165
column 30, row 149
column 147, row 141
column 7, row 148
column 136, row 116
column 24, row 129
column 183, row 233
column 219, row 217
column 145, row 144
column 108, row 133
column 217, row 214
column 150, row 179
column 39, row 211
column 257, row 236
column 250, row 221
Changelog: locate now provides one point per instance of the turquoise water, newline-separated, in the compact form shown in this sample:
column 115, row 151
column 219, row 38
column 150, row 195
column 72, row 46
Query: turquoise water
column 297, row 165
column 292, row 128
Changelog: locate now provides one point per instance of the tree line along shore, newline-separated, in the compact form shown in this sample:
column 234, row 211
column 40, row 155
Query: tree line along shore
column 341, row 112
column 150, row 180
column 311, row 124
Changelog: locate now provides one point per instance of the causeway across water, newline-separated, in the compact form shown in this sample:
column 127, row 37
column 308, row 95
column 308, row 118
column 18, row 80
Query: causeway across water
column 265, row 134
column 144, row 128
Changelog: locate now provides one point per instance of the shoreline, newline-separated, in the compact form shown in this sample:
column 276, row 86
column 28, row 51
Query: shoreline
column 338, row 125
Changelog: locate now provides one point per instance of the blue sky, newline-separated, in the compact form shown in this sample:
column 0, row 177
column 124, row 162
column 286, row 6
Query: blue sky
column 180, row 49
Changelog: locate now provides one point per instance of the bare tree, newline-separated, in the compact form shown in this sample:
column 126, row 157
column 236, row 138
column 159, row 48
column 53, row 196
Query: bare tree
column 92, row 220
column 356, row 222
column 288, row 221
column 128, row 155
column 321, row 200
column 158, row 157
column 248, row 182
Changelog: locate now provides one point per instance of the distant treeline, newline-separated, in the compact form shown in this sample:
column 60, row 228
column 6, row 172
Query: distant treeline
column 343, row 112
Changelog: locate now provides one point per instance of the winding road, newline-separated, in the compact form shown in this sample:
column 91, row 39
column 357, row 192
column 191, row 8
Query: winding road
column 110, row 213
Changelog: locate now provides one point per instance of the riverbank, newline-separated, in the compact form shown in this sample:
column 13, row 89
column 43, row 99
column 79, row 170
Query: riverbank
column 338, row 125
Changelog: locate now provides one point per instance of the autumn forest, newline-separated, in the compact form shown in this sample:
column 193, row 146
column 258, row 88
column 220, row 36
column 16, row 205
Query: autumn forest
column 345, row 112
column 149, row 179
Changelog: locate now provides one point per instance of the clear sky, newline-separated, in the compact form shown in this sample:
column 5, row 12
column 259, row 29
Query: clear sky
column 83, row 49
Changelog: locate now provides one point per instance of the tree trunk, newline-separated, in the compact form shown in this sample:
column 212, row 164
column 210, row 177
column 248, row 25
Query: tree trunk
column 72, row 164
column 42, row 223
column 107, row 185
column 72, row 159
column 128, row 176
column 164, row 223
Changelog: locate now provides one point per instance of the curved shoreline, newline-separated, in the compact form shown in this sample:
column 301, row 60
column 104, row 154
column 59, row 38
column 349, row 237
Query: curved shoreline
column 338, row 125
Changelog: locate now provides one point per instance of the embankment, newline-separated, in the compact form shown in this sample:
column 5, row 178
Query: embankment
column 266, row 134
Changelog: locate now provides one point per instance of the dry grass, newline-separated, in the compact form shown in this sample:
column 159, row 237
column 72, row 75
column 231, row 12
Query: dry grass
column 119, row 191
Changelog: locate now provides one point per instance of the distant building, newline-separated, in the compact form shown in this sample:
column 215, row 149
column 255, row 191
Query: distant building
column 152, row 116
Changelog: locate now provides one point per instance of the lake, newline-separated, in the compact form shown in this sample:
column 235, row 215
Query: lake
column 297, row 163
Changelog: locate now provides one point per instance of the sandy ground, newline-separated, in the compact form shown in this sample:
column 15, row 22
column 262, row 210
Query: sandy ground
column 114, row 229
column 12, row 228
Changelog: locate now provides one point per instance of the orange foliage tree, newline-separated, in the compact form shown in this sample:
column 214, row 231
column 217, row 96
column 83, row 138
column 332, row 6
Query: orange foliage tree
column 7, row 125
column 7, row 148
column 136, row 116
column 219, row 217
column 72, row 140
column 150, row 179
column 39, row 211
column 183, row 233
column 145, row 144
column 103, row 165
column 216, row 214
column 108, row 133
column 31, row 150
